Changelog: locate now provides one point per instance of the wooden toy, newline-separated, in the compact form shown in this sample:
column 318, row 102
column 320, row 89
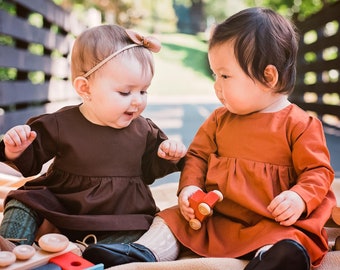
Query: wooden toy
column 41, row 258
column 48, row 266
column 336, row 214
column 53, row 242
column 23, row 252
column 53, row 266
column 71, row 261
column 6, row 258
column 202, row 203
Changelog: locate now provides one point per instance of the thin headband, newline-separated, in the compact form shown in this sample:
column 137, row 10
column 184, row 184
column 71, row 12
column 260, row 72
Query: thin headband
column 101, row 63
column 150, row 43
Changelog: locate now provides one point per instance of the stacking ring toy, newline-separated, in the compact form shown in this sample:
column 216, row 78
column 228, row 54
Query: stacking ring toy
column 53, row 242
column 6, row 258
column 23, row 252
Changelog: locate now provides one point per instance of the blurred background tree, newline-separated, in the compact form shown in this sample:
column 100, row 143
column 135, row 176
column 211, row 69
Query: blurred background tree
column 183, row 16
column 296, row 9
column 184, row 27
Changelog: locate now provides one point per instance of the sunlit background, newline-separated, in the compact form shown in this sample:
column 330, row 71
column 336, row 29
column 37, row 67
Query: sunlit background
column 183, row 26
column 181, row 95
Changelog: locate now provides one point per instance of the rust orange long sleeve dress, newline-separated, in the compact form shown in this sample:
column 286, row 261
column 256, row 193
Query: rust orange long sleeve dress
column 251, row 159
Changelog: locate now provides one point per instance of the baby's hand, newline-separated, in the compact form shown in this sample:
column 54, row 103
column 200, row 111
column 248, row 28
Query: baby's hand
column 171, row 150
column 17, row 139
column 287, row 207
column 183, row 202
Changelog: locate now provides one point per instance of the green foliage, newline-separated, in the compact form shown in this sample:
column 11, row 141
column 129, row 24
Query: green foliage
column 181, row 61
column 37, row 49
column 7, row 73
column 36, row 77
column 298, row 9
column 6, row 40
column 36, row 19
column 9, row 7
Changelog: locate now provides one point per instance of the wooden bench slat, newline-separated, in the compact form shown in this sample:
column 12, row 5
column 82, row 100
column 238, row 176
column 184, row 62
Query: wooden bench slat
column 23, row 60
column 319, row 88
column 319, row 45
column 21, row 97
column 319, row 107
column 320, row 66
column 19, row 117
column 31, row 34
column 24, row 92
column 20, row 92
column 50, row 11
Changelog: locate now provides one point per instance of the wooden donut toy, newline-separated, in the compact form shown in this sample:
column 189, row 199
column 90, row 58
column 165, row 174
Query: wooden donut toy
column 24, row 252
column 53, row 242
column 7, row 258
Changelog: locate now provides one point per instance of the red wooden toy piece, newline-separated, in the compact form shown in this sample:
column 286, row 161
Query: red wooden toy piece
column 71, row 261
column 202, row 203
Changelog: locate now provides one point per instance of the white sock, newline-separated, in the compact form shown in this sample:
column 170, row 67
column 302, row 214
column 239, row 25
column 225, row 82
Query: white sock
column 160, row 240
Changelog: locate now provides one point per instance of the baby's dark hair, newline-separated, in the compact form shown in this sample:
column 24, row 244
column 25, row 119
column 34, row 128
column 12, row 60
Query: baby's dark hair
column 261, row 37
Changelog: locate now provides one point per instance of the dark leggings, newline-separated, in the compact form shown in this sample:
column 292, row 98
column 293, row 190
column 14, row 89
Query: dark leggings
column 20, row 222
column 286, row 254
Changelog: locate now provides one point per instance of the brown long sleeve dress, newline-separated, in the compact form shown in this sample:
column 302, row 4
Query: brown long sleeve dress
column 98, row 181
column 251, row 159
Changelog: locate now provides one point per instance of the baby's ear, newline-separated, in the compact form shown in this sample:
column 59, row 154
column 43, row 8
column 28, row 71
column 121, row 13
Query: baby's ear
column 81, row 85
column 271, row 76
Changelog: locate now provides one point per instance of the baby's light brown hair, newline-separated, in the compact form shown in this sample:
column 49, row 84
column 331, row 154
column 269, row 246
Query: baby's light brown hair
column 97, row 43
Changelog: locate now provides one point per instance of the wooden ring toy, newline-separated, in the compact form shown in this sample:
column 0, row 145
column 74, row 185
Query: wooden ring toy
column 24, row 252
column 6, row 258
column 53, row 242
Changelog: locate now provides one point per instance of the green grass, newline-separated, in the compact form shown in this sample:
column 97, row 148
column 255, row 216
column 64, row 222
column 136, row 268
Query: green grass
column 182, row 67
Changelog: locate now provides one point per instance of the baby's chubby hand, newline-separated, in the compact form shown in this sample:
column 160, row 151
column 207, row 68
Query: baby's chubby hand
column 183, row 202
column 17, row 139
column 287, row 207
column 171, row 150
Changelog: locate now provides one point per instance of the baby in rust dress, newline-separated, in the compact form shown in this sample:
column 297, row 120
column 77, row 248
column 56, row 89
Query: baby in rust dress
column 268, row 157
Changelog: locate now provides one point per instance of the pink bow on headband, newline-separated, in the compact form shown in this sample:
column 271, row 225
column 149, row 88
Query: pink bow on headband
column 151, row 43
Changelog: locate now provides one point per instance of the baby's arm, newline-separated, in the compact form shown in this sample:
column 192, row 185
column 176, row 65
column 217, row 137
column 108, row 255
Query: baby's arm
column 17, row 139
column 171, row 150
column 287, row 207
column 183, row 202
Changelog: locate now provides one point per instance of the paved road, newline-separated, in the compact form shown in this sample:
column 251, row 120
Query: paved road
column 180, row 119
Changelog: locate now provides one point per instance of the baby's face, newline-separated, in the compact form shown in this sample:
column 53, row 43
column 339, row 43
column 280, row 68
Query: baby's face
column 118, row 93
column 239, row 93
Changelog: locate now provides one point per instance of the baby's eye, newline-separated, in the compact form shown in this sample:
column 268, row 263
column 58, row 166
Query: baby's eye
column 124, row 94
column 222, row 76
column 143, row 92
